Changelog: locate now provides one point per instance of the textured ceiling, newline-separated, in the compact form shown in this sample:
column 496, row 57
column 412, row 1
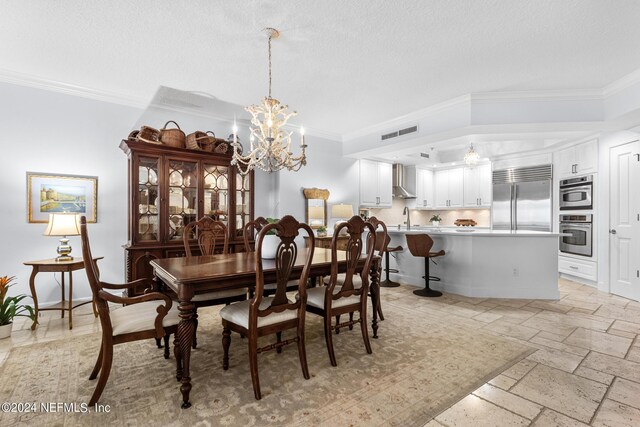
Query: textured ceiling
column 343, row 65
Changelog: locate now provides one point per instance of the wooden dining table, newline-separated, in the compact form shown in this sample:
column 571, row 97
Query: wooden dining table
column 201, row 274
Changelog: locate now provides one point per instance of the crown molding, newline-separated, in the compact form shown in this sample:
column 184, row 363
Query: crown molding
column 622, row 83
column 541, row 95
column 37, row 82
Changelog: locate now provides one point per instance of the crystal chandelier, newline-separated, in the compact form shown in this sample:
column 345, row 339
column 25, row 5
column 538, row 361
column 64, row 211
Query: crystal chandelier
column 270, row 142
column 471, row 157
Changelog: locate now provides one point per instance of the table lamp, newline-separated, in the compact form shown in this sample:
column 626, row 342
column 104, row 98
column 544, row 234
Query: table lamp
column 341, row 212
column 63, row 224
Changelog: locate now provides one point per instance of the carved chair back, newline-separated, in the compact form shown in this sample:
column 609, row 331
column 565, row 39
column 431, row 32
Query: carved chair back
column 250, row 230
column 287, row 229
column 419, row 244
column 382, row 238
column 355, row 227
column 208, row 233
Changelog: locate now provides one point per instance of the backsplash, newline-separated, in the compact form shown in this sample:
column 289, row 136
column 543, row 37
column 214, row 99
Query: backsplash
column 394, row 216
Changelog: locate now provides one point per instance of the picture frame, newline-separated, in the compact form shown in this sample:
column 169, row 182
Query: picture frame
column 56, row 193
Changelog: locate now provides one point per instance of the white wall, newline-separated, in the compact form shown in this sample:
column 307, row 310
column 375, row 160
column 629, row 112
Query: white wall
column 44, row 131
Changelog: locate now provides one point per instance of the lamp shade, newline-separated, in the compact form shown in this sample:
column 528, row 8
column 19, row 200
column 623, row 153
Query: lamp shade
column 341, row 211
column 63, row 224
column 316, row 212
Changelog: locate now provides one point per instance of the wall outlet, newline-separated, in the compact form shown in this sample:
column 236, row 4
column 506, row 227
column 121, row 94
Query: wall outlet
column 516, row 272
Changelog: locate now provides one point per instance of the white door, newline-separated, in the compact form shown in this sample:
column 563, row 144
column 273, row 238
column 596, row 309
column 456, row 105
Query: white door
column 471, row 191
column 368, row 183
column 485, row 184
column 441, row 188
column 456, row 187
column 385, row 185
column 427, row 188
column 624, row 237
column 420, row 197
column 565, row 161
column 587, row 157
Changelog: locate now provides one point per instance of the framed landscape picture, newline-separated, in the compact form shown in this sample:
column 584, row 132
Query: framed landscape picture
column 55, row 193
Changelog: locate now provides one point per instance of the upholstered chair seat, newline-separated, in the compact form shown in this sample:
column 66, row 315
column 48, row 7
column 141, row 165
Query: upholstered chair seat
column 238, row 313
column 315, row 298
column 141, row 317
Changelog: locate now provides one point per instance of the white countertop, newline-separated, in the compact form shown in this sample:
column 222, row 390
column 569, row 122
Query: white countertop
column 469, row 231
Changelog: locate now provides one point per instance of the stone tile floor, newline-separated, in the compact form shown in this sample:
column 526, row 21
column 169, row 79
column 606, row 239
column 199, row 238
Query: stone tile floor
column 586, row 370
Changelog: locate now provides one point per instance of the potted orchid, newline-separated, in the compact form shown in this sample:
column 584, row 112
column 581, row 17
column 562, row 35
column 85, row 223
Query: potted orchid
column 435, row 220
column 10, row 307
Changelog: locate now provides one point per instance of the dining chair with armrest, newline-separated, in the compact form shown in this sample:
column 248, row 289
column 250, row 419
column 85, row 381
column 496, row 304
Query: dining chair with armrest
column 263, row 315
column 151, row 315
column 350, row 294
column 209, row 233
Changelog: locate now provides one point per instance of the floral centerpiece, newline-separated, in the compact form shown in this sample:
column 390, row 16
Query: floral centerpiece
column 435, row 220
column 10, row 307
column 270, row 242
column 322, row 231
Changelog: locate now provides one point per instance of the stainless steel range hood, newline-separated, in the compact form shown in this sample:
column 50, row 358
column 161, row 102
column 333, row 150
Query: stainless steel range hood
column 399, row 189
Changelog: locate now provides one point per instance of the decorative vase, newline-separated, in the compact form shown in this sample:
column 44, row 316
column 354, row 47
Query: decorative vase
column 5, row 330
column 435, row 223
column 270, row 246
column 322, row 234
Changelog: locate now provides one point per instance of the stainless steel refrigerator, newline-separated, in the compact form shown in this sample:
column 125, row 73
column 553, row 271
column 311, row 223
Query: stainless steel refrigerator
column 522, row 198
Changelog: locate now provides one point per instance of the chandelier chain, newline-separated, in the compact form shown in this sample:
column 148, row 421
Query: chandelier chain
column 270, row 37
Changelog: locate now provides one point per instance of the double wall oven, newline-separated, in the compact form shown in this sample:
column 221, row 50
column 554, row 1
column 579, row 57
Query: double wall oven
column 576, row 193
column 579, row 238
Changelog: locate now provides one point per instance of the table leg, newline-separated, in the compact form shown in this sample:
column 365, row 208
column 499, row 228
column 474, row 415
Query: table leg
column 62, row 303
column 185, row 337
column 34, row 296
column 70, row 299
column 375, row 295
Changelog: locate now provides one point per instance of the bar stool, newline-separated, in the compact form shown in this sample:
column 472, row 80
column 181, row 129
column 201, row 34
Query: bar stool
column 420, row 246
column 388, row 283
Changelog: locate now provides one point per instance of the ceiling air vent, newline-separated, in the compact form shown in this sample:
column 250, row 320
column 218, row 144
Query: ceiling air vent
column 389, row 135
column 408, row 130
column 425, row 155
column 400, row 132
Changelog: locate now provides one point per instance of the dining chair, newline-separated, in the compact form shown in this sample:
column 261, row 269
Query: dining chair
column 209, row 233
column 263, row 315
column 250, row 231
column 151, row 315
column 350, row 295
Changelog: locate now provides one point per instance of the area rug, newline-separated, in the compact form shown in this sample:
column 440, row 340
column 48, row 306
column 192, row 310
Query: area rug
column 419, row 367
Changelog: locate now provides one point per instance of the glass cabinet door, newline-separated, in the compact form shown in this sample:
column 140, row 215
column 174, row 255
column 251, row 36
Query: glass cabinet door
column 183, row 197
column 148, row 201
column 216, row 192
column 243, row 202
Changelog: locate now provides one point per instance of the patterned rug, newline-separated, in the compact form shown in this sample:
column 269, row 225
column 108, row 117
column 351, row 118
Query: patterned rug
column 419, row 367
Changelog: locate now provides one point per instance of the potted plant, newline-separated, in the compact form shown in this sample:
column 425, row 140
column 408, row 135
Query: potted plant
column 322, row 231
column 270, row 241
column 10, row 307
column 435, row 220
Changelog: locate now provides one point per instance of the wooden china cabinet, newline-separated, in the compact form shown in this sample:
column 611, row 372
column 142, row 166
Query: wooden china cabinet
column 170, row 187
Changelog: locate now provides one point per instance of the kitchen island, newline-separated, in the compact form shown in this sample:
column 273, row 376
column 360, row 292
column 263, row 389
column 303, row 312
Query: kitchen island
column 483, row 263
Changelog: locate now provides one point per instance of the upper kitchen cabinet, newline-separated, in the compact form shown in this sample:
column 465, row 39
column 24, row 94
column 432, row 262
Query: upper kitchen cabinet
column 577, row 160
column 424, row 188
column 477, row 186
column 375, row 184
column 449, row 188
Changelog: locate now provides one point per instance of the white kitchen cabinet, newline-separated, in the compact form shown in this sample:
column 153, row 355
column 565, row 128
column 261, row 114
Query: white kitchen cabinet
column 424, row 188
column 375, row 184
column 580, row 159
column 449, row 188
column 477, row 186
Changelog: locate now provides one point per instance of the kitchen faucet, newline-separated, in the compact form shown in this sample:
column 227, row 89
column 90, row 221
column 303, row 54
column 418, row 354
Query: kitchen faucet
column 406, row 212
